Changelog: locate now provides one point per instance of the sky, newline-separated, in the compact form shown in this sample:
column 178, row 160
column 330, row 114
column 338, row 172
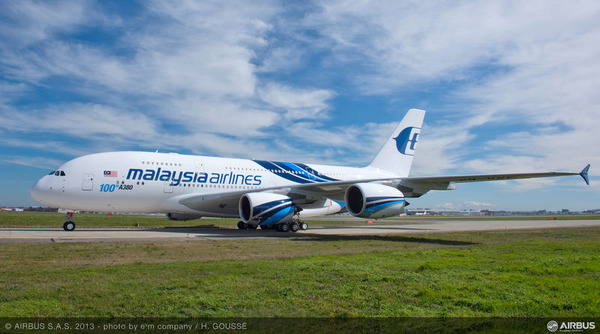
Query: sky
column 509, row 86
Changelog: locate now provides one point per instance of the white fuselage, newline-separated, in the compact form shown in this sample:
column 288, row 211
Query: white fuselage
column 155, row 182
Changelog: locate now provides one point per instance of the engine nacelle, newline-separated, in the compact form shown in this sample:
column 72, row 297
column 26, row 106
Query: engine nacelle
column 266, row 208
column 370, row 200
column 182, row 216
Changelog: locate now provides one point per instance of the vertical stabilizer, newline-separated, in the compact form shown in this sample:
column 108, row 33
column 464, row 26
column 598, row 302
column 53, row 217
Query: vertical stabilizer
column 398, row 151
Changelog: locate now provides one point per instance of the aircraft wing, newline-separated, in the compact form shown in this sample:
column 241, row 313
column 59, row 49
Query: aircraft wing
column 493, row 177
column 227, row 203
column 417, row 186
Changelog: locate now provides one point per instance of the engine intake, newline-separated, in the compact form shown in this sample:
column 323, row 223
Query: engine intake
column 370, row 200
column 266, row 208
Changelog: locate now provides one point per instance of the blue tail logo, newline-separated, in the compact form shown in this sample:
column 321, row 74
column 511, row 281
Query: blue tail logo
column 407, row 140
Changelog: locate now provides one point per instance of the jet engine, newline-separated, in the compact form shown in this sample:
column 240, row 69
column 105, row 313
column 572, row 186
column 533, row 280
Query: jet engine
column 370, row 200
column 182, row 216
column 266, row 208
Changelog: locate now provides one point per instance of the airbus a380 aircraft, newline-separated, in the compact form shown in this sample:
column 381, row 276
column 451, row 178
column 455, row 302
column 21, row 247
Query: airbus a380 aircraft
column 261, row 193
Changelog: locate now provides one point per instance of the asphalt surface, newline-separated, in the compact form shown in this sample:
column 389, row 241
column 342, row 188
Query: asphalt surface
column 212, row 233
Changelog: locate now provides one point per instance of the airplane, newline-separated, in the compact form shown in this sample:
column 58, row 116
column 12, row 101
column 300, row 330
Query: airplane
column 269, row 194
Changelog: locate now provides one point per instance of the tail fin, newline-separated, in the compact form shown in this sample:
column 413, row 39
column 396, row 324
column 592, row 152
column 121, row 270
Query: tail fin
column 397, row 153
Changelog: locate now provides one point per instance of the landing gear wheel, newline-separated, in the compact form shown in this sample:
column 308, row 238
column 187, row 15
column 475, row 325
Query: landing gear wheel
column 242, row 226
column 69, row 226
column 252, row 227
column 303, row 226
column 283, row 228
column 294, row 227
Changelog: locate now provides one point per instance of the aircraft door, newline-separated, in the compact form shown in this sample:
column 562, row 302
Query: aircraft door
column 87, row 183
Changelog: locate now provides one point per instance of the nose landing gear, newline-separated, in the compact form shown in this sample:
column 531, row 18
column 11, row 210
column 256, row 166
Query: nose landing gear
column 69, row 225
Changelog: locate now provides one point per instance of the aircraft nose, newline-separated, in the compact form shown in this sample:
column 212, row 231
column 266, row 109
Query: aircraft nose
column 41, row 190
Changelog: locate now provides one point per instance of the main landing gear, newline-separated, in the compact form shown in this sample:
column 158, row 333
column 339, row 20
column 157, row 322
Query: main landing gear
column 69, row 225
column 294, row 226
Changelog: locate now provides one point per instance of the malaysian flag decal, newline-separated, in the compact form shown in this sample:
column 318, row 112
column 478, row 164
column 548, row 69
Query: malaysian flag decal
column 110, row 173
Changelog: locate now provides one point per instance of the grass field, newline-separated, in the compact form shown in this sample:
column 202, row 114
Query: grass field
column 540, row 273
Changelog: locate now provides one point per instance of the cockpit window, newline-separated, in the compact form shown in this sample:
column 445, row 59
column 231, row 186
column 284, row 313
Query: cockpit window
column 52, row 172
column 62, row 173
column 57, row 173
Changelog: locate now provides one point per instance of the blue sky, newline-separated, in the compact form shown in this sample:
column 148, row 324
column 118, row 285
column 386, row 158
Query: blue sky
column 509, row 87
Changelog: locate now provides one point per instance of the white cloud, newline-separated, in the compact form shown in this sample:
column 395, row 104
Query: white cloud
column 187, row 67
column 29, row 22
column 36, row 162
column 186, row 79
column 354, row 145
column 204, row 75
column 81, row 120
column 446, row 206
column 9, row 91
column 476, row 204
column 406, row 42
column 467, row 205
column 297, row 103
column 218, row 116
column 528, row 63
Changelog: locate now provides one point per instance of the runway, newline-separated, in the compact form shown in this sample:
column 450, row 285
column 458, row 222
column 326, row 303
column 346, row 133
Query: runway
column 212, row 233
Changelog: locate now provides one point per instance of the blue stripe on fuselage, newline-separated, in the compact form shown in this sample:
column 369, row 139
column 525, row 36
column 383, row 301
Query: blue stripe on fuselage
column 298, row 173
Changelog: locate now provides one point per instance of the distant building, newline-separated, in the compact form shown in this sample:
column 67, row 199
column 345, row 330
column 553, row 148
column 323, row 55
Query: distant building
column 12, row 209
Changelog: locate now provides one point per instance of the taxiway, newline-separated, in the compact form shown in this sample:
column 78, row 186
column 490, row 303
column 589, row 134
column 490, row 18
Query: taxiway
column 212, row 233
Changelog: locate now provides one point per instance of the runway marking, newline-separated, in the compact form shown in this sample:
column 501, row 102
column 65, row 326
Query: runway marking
column 211, row 233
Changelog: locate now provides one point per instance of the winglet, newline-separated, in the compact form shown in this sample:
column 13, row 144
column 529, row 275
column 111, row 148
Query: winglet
column 584, row 174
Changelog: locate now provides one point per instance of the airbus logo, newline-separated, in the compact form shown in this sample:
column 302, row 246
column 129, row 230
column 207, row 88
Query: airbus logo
column 407, row 140
column 571, row 326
